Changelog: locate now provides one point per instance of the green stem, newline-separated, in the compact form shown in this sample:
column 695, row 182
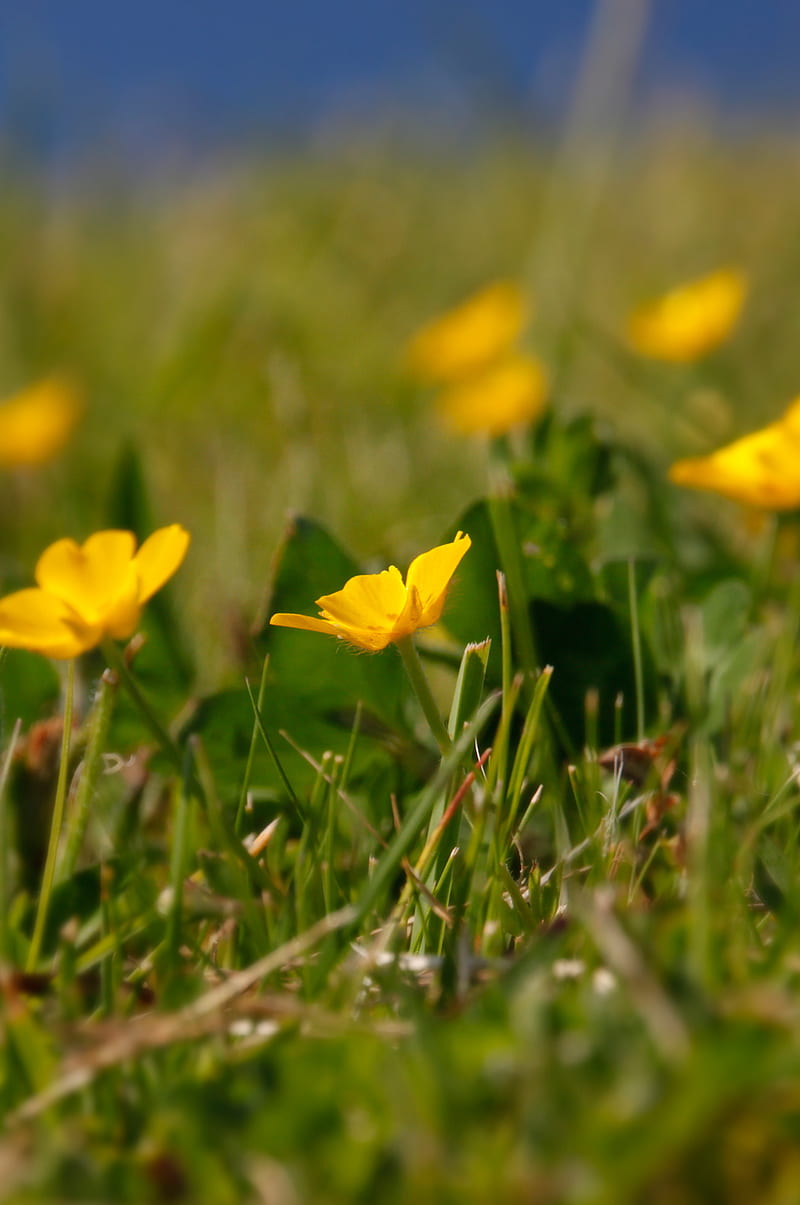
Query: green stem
column 499, row 764
column 506, row 539
column 168, row 745
column 48, row 877
column 251, row 752
column 76, row 823
column 766, row 557
column 421, row 687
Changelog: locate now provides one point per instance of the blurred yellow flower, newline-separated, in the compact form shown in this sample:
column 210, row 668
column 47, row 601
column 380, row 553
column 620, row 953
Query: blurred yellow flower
column 36, row 422
column 506, row 394
column 467, row 338
column 761, row 469
column 88, row 592
column 377, row 609
column 691, row 319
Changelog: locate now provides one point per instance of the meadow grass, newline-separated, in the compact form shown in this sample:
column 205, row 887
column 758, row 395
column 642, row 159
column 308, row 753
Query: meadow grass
column 299, row 948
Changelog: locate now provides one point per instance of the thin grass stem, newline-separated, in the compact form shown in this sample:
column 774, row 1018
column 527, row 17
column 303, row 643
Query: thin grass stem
column 48, row 877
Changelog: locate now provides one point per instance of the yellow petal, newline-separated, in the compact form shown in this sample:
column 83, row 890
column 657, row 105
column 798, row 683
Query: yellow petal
column 466, row 338
column 372, row 640
column 87, row 576
column 370, row 600
column 691, row 319
column 35, row 423
column 373, row 610
column 97, row 579
column 791, row 417
column 505, row 395
column 35, row 620
column 761, row 469
column 159, row 557
column 429, row 576
column 306, row 623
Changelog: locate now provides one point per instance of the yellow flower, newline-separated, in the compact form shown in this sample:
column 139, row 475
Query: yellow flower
column 36, row 423
column 506, row 394
column 761, row 469
column 376, row 609
column 88, row 592
column 691, row 319
column 467, row 338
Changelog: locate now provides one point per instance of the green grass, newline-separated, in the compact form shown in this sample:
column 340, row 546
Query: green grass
column 593, row 1000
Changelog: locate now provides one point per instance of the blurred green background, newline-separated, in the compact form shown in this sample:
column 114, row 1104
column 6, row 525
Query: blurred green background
column 244, row 329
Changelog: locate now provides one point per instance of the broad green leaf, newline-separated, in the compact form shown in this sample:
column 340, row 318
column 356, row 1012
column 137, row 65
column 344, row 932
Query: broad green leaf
column 732, row 652
column 314, row 685
column 735, row 679
column 569, row 458
column 318, row 669
column 554, row 567
column 589, row 646
column 587, row 641
column 29, row 689
column 551, row 568
column 471, row 612
column 224, row 721
column 725, row 612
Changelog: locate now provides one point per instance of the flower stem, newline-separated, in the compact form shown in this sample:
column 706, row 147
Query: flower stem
column 506, row 538
column 99, row 721
column 766, row 558
column 421, row 687
column 118, row 663
column 55, row 825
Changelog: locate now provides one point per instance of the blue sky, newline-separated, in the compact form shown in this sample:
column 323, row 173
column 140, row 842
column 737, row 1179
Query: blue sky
column 77, row 72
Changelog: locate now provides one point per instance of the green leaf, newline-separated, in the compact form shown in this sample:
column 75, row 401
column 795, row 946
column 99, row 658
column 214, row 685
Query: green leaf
column 29, row 689
column 553, row 568
column 732, row 652
column 571, row 457
column 164, row 663
column 318, row 669
column 726, row 611
column 469, row 686
column 314, row 685
column 224, row 721
column 587, row 641
column 472, row 612
column 589, row 646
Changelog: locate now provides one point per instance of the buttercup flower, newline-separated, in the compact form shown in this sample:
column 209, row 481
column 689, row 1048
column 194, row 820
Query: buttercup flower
column 504, row 395
column 377, row 609
column 691, row 319
column 36, row 423
column 467, row 338
column 88, row 592
column 761, row 469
